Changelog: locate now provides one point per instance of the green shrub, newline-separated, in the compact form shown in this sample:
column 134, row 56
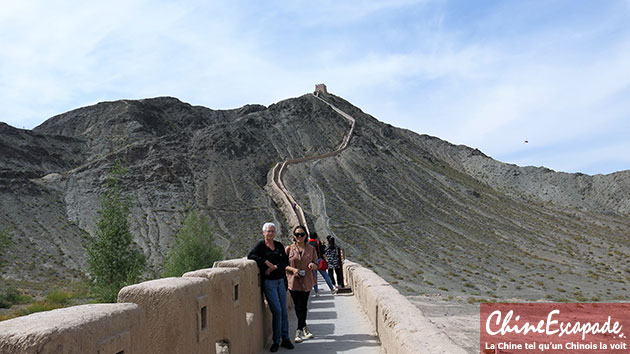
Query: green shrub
column 12, row 297
column 59, row 297
column 39, row 306
column 472, row 300
column 194, row 247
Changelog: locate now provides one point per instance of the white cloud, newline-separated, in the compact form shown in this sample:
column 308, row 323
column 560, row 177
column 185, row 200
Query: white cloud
column 331, row 13
column 477, row 76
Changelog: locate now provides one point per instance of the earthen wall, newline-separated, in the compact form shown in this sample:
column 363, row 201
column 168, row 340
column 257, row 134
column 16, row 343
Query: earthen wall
column 215, row 310
column 400, row 326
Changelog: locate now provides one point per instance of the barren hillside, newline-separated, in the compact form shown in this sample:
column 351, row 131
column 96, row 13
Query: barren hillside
column 429, row 216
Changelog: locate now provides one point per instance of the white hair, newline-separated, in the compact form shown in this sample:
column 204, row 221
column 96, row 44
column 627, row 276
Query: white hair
column 268, row 225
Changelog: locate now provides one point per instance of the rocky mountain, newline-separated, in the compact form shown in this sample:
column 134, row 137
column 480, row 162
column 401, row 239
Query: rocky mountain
column 429, row 216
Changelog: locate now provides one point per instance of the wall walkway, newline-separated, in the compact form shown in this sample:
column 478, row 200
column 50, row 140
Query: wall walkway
column 339, row 326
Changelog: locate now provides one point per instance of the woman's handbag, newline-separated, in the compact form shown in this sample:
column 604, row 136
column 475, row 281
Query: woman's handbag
column 323, row 265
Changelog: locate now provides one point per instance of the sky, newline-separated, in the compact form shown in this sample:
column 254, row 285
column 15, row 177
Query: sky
column 533, row 83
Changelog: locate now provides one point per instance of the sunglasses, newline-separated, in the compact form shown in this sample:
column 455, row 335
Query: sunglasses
column 299, row 234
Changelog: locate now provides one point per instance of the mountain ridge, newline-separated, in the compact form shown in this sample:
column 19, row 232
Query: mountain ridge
column 506, row 176
column 391, row 198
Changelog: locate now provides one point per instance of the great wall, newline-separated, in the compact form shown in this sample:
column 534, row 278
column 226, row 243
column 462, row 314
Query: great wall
column 217, row 310
column 292, row 211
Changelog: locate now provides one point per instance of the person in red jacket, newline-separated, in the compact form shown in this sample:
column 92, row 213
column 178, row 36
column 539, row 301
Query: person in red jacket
column 313, row 241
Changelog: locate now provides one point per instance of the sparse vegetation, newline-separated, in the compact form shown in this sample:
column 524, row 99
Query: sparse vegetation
column 38, row 307
column 6, row 240
column 54, row 299
column 59, row 297
column 12, row 297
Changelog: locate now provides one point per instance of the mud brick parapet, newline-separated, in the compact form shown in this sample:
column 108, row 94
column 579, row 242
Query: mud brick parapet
column 96, row 328
column 216, row 310
column 208, row 311
column 400, row 326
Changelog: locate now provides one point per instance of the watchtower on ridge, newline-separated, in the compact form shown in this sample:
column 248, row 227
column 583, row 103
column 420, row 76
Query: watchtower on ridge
column 320, row 88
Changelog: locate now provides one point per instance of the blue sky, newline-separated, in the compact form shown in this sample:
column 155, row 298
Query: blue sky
column 487, row 74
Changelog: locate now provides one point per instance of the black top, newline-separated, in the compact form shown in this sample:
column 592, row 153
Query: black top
column 261, row 253
column 318, row 247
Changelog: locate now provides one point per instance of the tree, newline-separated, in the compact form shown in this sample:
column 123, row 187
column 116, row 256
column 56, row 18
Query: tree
column 114, row 259
column 194, row 247
column 5, row 242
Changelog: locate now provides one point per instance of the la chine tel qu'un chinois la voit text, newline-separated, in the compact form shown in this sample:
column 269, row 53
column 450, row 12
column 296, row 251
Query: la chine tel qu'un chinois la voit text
column 556, row 346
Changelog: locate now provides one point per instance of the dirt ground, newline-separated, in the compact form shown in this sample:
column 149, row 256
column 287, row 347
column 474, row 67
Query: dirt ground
column 459, row 320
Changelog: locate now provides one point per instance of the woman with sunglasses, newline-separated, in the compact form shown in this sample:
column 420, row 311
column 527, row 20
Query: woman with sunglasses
column 302, row 263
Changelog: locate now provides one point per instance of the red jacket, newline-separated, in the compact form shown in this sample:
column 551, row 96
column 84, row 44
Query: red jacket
column 318, row 247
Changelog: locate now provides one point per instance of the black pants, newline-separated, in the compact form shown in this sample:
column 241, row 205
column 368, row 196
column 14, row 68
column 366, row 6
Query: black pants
column 300, row 300
column 339, row 271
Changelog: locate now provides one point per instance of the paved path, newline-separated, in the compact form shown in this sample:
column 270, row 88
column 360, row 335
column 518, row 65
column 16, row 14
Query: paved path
column 338, row 324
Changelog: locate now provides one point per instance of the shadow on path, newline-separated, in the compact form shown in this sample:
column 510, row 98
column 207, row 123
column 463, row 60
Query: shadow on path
column 338, row 324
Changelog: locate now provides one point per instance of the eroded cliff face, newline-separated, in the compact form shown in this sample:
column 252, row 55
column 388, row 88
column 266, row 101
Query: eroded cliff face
column 177, row 156
column 442, row 219
column 428, row 215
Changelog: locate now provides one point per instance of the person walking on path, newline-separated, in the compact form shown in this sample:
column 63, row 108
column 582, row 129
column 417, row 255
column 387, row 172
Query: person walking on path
column 335, row 263
column 313, row 241
column 272, row 261
column 302, row 263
